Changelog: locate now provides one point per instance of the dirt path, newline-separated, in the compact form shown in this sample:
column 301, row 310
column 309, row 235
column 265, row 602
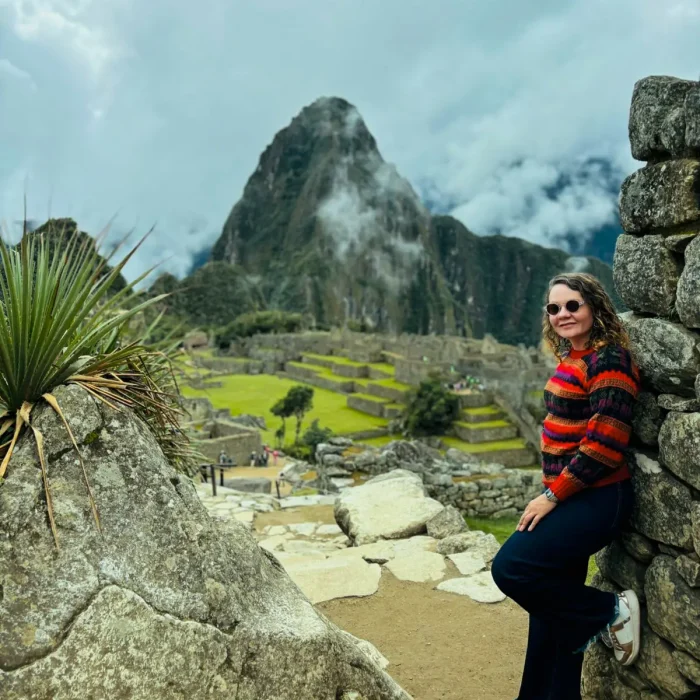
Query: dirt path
column 440, row 646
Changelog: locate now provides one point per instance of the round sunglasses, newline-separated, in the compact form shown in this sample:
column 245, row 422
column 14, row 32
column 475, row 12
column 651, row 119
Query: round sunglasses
column 572, row 306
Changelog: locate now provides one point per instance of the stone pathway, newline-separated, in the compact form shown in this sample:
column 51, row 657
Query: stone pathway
column 319, row 557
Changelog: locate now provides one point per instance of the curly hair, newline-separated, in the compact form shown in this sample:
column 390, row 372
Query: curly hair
column 607, row 327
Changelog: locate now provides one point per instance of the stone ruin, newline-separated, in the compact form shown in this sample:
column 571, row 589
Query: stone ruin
column 657, row 274
column 475, row 488
column 216, row 430
column 512, row 370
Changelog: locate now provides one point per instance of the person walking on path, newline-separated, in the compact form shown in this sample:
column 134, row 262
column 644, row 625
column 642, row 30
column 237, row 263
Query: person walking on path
column 587, row 496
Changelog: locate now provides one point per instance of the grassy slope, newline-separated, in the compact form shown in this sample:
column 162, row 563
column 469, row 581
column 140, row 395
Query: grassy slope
column 255, row 394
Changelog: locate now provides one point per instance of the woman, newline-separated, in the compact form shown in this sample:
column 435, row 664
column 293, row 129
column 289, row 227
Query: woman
column 587, row 497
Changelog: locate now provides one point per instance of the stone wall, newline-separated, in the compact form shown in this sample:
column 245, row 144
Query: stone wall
column 657, row 274
column 476, row 489
column 238, row 447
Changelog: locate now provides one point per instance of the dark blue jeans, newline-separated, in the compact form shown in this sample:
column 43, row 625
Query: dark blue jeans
column 544, row 571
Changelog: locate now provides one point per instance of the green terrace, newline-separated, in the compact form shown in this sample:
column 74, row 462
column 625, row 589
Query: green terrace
column 481, row 430
column 358, row 399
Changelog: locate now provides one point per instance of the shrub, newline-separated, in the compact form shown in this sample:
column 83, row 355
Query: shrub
column 431, row 409
column 61, row 321
column 315, row 435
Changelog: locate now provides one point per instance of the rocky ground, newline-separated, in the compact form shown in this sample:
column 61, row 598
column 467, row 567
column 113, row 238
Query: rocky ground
column 424, row 597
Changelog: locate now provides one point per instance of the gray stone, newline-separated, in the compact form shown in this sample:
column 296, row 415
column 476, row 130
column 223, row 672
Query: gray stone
column 695, row 525
column 479, row 587
column 460, row 457
column 388, row 506
column 687, row 665
column 341, row 441
column 467, row 563
column 672, row 606
column 322, row 579
column 475, row 541
column 656, row 666
column 692, row 118
column 689, row 569
column 249, row 484
column 662, row 503
column 671, row 402
column 679, row 446
column 646, row 273
column 166, row 602
column 638, row 546
column 673, row 132
column 671, row 551
column 661, row 196
column 601, row 679
column 688, row 291
column 616, row 564
column 666, row 354
column 656, row 100
column 448, row 522
column 647, row 418
column 418, row 567
column 677, row 242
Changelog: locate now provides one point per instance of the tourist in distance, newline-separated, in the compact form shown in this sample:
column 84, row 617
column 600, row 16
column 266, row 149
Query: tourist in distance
column 587, row 499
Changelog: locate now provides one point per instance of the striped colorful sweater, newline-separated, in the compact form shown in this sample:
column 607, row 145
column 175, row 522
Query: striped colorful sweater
column 589, row 421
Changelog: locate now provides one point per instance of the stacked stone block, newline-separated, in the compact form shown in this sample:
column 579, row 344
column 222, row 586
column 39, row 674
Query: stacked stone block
column 657, row 274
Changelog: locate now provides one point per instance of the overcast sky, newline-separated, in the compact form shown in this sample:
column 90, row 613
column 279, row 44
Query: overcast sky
column 156, row 111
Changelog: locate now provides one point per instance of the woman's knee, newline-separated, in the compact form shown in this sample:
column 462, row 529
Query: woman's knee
column 503, row 571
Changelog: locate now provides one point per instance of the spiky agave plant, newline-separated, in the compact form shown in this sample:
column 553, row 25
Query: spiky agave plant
column 59, row 324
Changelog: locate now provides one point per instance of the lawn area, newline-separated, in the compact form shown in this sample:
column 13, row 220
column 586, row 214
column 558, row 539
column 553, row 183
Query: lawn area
column 255, row 394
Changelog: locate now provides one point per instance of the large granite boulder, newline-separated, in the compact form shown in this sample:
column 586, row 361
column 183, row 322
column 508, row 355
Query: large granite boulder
column 166, row 602
column 388, row 506
column 662, row 503
column 679, row 446
column 667, row 355
column 665, row 194
column 657, row 123
column 646, row 274
column 647, row 418
column 672, row 606
column 688, row 289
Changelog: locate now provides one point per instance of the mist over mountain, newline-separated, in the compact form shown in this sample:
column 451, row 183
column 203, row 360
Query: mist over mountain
column 326, row 227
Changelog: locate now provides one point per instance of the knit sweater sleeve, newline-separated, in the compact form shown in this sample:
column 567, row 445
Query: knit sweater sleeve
column 613, row 385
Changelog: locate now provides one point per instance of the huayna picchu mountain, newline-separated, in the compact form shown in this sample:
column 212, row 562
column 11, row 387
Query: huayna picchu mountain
column 326, row 227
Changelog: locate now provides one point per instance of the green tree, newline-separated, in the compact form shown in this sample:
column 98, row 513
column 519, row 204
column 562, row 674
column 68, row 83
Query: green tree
column 431, row 409
column 282, row 410
column 299, row 401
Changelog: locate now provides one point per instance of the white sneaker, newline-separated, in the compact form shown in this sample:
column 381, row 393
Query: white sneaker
column 623, row 635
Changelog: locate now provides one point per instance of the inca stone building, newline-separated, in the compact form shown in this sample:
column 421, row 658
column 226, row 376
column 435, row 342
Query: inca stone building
column 657, row 273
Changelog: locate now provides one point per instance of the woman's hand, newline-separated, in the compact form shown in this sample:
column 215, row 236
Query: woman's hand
column 535, row 510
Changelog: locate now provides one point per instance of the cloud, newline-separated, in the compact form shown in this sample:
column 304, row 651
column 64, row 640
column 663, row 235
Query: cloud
column 10, row 70
column 158, row 111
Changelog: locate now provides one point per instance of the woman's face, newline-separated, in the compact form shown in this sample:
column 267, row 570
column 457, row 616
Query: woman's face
column 575, row 326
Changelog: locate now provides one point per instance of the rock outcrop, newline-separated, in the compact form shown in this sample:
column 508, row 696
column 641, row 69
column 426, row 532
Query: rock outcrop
column 657, row 272
column 166, row 602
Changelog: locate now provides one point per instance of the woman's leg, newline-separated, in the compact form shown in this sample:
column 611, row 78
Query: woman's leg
column 546, row 677
column 538, row 669
column 531, row 567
